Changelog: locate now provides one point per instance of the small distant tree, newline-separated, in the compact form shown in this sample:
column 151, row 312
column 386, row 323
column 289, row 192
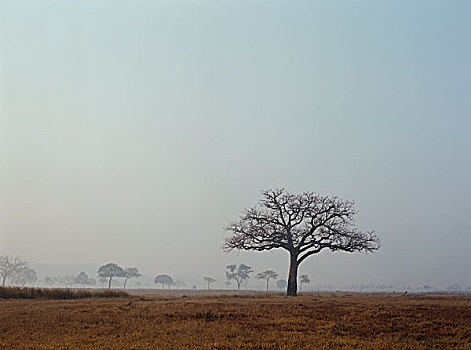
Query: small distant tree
column 194, row 287
column 91, row 282
column 281, row 284
column 24, row 275
column 50, row 280
column 109, row 271
column 304, row 279
column 267, row 276
column 454, row 288
column 164, row 280
column 240, row 274
column 427, row 288
column 130, row 272
column 209, row 280
column 81, row 278
column 8, row 266
column 179, row 284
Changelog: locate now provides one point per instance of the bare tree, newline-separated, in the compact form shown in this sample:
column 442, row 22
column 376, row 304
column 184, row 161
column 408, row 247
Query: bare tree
column 130, row 272
column 164, row 280
column 24, row 275
column 240, row 274
column 109, row 271
column 303, row 224
column 8, row 266
column 303, row 279
column 267, row 276
column 209, row 280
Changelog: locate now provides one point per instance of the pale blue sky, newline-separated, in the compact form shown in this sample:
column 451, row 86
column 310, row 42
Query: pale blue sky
column 133, row 131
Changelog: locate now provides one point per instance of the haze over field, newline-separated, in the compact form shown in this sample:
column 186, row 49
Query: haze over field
column 133, row 132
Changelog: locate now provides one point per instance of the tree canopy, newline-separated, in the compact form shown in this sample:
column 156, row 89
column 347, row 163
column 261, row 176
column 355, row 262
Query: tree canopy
column 164, row 280
column 109, row 271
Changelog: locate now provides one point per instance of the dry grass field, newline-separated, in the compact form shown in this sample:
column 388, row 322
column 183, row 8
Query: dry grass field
column 166, row 320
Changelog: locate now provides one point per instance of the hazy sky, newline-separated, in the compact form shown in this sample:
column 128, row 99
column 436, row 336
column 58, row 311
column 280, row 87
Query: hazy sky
column 133, row 131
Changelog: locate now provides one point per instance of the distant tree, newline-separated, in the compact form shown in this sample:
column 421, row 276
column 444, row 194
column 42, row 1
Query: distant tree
column 179, row 284
column 227, row 283
column 164, row 280
column 240, row 274
column 281, row 284
column 8, row 266
column 427, row 288
column 303, row 224
column 130, row 272
column 304, row 279
column 109, row 271
column 50, row 280
column 24, row 275
column 209, row 280
column 67, row 281
column 195, row 287
column 81, row 278
column 267, row 276
column 91, row 282
column 454, row 288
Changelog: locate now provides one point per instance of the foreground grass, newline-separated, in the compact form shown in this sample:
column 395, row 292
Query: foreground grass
column 230, row 322
column 57, row 293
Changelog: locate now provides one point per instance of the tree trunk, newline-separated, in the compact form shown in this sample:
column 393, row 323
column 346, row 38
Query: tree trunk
column 4, row 279
column 109, row 283
column 125, row 280
column 238, row 285
column 267, row 285
column 293, row 276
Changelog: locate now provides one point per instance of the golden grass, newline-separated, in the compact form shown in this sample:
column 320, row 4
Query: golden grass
column 258, row 321
column 57, row 293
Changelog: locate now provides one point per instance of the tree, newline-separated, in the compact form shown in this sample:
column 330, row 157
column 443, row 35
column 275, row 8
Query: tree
column 209, row 280
column 240, row 274
column 267, row 276
column 109, row 271
column 179, row 284
column 68, row 281
column 281, row 284
column 81, row 278
column 130, row 272
column 24, row 275
column 303, row 224
column 8, row 266
column 51, row 280
column 304, row 279
column 164, row 280
column 227, row 283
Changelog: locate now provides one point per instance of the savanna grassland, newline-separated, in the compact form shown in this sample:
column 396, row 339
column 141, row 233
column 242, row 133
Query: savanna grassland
column 239, row 321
